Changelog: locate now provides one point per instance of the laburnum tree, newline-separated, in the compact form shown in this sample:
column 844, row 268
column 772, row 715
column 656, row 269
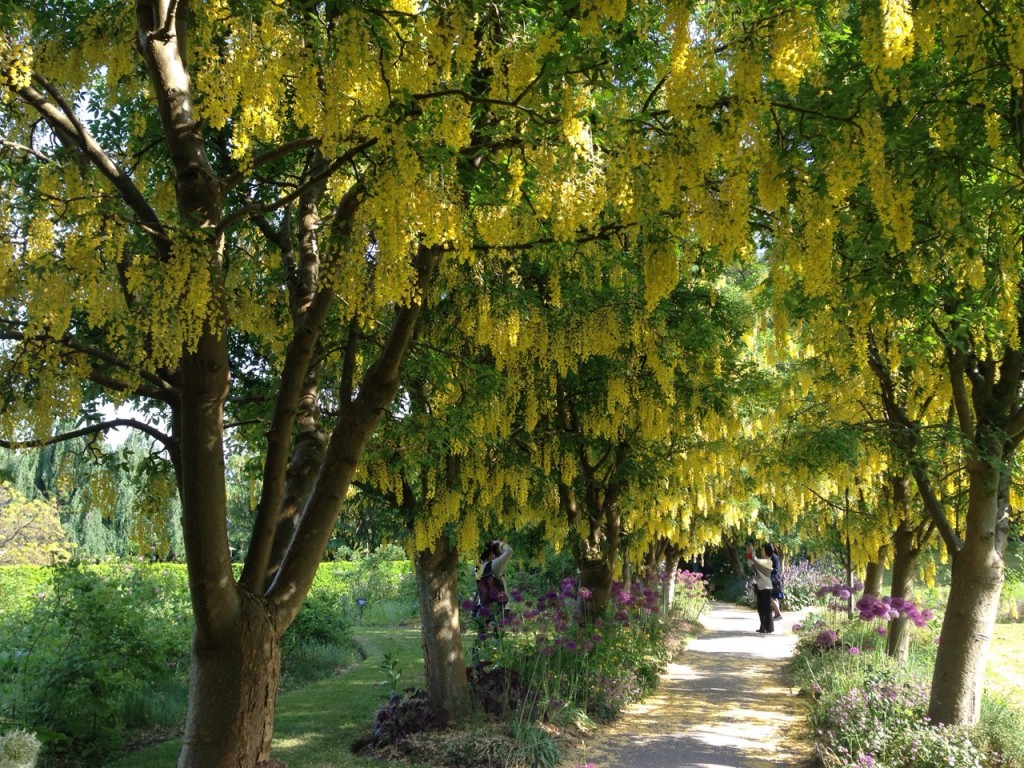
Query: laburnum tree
column 898, row 220
column 231, row 215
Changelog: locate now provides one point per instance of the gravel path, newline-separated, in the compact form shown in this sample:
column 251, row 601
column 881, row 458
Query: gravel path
column 726, row 703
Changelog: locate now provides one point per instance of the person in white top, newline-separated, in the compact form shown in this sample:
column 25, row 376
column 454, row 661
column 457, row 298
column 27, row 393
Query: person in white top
column 763, row 585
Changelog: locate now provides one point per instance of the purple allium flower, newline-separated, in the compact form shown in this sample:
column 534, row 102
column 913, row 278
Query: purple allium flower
column 880, row 630
column 570, row 645
column 797, row 627
column 468, row 605
column 854, row 651
column 585, row 594
column 827, row 638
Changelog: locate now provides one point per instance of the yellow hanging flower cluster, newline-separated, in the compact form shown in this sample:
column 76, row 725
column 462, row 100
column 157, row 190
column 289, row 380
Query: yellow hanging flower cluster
column 794, row 49
column 897, row 33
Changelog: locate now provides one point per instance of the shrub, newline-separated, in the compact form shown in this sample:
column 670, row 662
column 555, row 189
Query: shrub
column 91, row 642
column 802, row 579
column 868, row 710
column 534, row 746
column 405, row 713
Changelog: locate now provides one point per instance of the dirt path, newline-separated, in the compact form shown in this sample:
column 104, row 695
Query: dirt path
column 726, row 704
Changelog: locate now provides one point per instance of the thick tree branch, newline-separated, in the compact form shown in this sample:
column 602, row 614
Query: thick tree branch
column 957, row 364
column 355, row 423
column 232, row 181
column 75, row 137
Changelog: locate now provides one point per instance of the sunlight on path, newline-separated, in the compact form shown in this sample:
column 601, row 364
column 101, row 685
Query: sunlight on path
column 726, row 705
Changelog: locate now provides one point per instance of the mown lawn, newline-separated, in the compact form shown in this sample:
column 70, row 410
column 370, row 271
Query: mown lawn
column 315, row 725
column 1005, row 671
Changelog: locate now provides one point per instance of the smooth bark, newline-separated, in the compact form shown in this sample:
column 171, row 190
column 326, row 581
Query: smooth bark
column 444, row 666
column 977, row 581
column 904, row 564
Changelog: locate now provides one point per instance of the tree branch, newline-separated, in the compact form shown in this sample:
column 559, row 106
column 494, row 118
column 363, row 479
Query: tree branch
column 92, row 429
column 75, row 137
column 270, row 156
column 317, row 178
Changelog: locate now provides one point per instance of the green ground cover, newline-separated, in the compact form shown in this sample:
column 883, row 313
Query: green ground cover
column 868, row 709
column 315, row 725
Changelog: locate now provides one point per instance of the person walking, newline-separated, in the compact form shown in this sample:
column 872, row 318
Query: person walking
column 763, row 586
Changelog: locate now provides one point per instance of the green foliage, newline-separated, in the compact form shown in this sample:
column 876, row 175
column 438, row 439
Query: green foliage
column 30, row 531
column 91, row 654
column 534, row 658
column 535, row 746
column 392, row 669
column 97, row 639
column 999, row 730
column 383, row 579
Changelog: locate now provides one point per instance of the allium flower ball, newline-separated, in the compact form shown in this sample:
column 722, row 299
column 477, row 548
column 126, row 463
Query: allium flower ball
column 854, row 651
column 880, row 630
column 19, row 749
column 585, row 594
column 468, row 605
column 827, row 638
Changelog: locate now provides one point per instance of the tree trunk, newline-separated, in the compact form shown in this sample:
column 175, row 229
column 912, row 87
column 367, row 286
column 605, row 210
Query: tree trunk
column 596, row 576
column 875, row 573
column 437, row 580
column 903, row 565
column 233, row 692
column 671, row 566
column 732, row 556
column 978, row 573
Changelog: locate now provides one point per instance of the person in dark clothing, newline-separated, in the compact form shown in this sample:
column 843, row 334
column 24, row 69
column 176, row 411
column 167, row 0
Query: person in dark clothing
column 763, row 585
column 777, row 594
column 490, row 574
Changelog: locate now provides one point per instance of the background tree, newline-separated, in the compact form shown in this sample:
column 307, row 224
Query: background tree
column 30, row 531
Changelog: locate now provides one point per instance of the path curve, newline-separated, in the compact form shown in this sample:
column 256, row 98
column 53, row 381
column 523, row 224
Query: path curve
column 725, row 703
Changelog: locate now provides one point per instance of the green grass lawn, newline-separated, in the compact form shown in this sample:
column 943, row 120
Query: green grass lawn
column 315, row 725
column 1005, row 671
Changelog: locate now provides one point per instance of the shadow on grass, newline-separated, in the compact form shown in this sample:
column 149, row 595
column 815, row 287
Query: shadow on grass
column 315, row 725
